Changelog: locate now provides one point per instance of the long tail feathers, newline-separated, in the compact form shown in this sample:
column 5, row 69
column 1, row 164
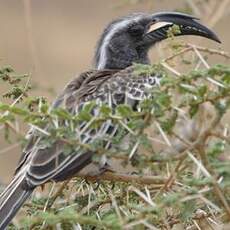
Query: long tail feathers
column 11, row 200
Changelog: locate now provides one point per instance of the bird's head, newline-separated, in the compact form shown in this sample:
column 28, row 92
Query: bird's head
column 128, row 39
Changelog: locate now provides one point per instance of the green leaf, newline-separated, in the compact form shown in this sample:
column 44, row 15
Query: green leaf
column 44, row 108
column 19, row 111
column 5, row 118
column 124, row 110
column 193, row 110
column 173, row 30
column 145, row 142
column 136, row 124
column 171, row 198
column 187, row 210
column 105, row 110
column 163, row 99
column 216, row 148
column 4, row 107
column 169, row 123
column 221, row 106
column 202, row 90
column 7, row 69
column 62, row 113
column 88, row 107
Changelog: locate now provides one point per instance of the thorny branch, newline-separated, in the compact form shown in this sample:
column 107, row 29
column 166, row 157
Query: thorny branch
column 189, row 47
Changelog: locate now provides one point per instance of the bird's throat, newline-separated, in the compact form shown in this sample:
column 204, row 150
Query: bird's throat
column 123, row 59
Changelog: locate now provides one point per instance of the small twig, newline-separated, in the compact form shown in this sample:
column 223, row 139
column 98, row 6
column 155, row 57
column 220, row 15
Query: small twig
column 94, row 205
column 220, row 136
column 189, row 47
column 200, row 165
column 18, row 98
column 204, row 159
column 73, row 218
column 57, row 193
column 172, row 176
column 144, row 196
column 12, row 128
column 185, row 50
column 163, row 134
column 185, row 142
column 110, row 176
column 115, row 205
column 207, row 50
column 171, row 69
column 200, row 57
column 47, row 202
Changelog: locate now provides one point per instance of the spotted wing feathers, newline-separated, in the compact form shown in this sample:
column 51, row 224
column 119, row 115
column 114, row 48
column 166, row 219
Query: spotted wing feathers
column 110, row 87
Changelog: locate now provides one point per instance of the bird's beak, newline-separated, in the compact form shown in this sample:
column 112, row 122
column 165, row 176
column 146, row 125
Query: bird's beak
column 187, row 25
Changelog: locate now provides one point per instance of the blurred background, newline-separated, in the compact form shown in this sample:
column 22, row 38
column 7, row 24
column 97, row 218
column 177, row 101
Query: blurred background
column 53, row 40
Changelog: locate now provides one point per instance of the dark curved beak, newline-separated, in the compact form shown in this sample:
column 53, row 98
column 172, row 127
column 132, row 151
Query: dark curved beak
column 187, row 25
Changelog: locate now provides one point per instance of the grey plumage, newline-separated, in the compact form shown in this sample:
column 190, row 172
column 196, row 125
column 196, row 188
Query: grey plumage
column 123, row 42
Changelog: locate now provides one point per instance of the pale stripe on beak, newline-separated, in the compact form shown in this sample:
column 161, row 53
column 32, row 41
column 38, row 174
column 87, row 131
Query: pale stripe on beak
column 158, row 25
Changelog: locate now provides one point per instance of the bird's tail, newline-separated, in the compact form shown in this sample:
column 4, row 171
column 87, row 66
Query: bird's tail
column 11, row 199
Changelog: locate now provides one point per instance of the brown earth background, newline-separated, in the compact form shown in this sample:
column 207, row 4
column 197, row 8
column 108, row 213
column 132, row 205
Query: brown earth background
column 53, row 40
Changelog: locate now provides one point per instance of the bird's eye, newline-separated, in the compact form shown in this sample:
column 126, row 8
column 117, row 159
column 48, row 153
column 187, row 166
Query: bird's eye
column 136, row 30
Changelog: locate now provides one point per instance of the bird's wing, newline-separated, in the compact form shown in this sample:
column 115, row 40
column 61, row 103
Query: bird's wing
column 42, row 163
column 67, row 99
column 72, row 87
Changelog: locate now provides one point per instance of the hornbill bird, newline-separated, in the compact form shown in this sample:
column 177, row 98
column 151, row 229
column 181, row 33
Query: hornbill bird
column 124, row 41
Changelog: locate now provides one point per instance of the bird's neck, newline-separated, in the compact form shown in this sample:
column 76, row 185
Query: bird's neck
column 121, row 56
column 121, row 60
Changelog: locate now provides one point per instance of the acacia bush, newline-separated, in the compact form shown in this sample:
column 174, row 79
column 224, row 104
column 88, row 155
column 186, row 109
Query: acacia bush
column 174, row 168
